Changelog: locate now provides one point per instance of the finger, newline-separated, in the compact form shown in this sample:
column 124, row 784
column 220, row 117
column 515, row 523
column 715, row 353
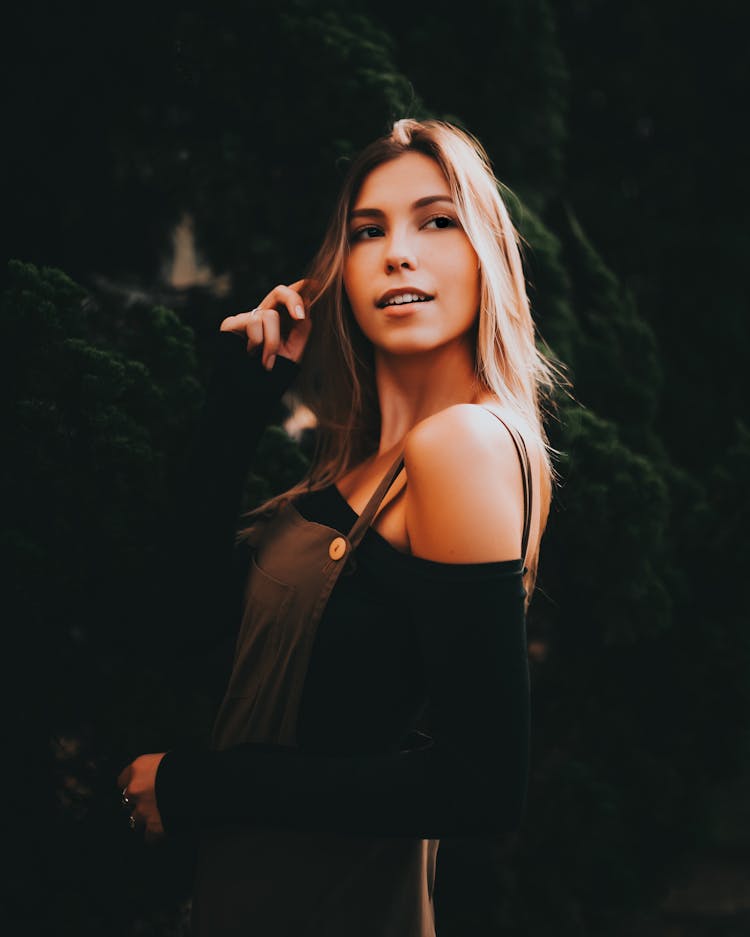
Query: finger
column 140, row 816
column 299, row 286
column 253, row 322
column 241, row 322
column 305, row 286
column 271, row 337
column 287, row 298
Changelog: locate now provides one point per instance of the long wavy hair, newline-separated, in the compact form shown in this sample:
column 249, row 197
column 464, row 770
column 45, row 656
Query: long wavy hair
column 337, row 376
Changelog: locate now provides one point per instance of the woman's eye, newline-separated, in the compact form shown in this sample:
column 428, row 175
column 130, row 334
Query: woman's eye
column 442, row 218
column 357, row 235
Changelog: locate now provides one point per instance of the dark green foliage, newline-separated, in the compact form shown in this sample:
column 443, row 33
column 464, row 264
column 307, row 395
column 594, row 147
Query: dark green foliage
column 87, row 428
column 599, row 718
column 496, row 69
column 279, row 463
column 613, row 513
column 617, row 370
column 657, row 161
column 90, row 425
column 548, row 287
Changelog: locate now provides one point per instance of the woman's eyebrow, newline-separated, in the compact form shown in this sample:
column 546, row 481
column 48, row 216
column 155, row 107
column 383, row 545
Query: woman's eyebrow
column 420, row 202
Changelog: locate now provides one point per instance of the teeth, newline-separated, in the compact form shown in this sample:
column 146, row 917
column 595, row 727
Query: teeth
column 405, row 298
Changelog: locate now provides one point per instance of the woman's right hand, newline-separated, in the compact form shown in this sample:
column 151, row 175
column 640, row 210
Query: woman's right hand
column 278, row 325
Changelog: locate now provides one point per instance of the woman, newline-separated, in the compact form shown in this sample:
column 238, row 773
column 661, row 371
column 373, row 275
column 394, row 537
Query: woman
column 378, row 696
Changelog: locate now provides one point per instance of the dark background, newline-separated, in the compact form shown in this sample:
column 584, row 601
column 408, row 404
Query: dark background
column 619, row 127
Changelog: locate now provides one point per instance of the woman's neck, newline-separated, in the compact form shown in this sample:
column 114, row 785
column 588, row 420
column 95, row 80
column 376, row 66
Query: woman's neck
column 413, row 387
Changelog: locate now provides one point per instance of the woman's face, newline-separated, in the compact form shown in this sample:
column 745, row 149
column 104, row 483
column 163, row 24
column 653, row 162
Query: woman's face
column 399, row 246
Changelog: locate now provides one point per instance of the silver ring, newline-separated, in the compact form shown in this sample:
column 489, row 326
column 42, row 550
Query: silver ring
column 125, row 801
column 131, row 821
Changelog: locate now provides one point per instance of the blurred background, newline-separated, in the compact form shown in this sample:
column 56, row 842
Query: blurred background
column 165, row 165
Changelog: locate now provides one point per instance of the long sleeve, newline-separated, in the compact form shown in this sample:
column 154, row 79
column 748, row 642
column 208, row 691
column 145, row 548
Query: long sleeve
column 469, row 779
column 189, row 592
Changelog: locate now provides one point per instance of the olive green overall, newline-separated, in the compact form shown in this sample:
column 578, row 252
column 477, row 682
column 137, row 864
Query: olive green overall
column 277, row 883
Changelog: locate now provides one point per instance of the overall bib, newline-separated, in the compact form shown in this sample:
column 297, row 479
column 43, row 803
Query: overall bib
column 270, row 883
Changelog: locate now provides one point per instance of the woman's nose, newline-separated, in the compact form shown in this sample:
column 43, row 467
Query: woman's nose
column 392, row 263
column 400, row 258
column 399, row 253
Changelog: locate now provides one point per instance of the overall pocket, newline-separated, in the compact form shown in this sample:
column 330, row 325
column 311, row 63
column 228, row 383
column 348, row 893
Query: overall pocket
column 266, row 603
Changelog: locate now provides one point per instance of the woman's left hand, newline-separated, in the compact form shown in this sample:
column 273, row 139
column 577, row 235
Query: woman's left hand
column 137, row 785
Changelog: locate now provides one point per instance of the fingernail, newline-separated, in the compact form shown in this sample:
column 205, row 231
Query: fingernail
column 271, row 361
column 299, row 312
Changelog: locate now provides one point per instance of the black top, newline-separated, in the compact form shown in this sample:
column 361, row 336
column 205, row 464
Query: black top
column 414, row 718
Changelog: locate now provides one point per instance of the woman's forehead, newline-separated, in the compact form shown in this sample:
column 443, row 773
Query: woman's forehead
column 408, row 178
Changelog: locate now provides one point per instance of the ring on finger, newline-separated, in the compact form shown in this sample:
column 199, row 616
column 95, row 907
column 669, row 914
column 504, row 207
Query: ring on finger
column 131, row 821
column 125, row 801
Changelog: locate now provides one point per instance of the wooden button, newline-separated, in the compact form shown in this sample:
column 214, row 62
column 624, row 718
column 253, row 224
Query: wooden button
column 337, row 548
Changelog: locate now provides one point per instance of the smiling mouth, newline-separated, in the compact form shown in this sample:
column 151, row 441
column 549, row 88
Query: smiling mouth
column 411, row 302
column 397, row 310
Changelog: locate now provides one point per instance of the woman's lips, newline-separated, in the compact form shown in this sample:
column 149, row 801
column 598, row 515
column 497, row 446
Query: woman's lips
column 402, row 309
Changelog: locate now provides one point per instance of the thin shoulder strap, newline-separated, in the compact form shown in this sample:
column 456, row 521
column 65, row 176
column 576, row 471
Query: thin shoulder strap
column 523, row 458
column 366, row 517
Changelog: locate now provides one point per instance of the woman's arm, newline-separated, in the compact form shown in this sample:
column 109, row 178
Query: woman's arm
column 470, row 780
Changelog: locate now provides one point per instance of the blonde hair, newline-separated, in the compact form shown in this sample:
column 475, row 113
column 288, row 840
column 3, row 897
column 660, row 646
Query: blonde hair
column 337, row 377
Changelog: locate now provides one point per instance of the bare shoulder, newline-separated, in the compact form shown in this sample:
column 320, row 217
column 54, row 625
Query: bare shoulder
column 465, row 489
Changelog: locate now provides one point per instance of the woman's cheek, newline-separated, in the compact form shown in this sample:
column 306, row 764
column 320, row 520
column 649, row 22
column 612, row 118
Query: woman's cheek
column 354, row 311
